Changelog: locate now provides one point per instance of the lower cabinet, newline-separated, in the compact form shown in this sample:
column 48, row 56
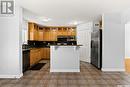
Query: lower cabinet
column 37, row 54
column 45, row 53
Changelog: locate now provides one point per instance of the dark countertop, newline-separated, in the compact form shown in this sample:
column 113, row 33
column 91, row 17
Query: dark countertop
column 66, row 45
column 48, row 46
column 27, row 49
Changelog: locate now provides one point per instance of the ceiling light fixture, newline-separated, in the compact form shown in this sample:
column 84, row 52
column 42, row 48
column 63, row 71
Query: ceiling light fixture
column 45, row 19
column 75, row 22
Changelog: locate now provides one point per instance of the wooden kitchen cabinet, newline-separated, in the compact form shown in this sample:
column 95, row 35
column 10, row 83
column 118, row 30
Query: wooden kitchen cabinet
column 45, row 53
column 32, row 31
column 49, row 34
column 35, row 56
column 40, row 34
column 53, row 34
column 73, row 33
column 65, row 32
column 60, row 32
column 46, row 34
column 48, row 53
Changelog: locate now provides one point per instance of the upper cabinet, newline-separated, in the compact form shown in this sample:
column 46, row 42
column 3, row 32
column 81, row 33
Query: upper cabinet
column 53, row 34
column 46, row 34
column 38, row 33
column 67, row 31
column 33, row 31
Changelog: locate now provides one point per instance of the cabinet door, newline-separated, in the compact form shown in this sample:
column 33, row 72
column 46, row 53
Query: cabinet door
column 65, row 32
column 48, row 53
column 39, row 55
column 44, row 56
column 69, row 32
column 45, row 53
column 40, row 35
column 73, row 33
column 36, row 32
column 31, row 31
column 32, row 57
column 60, row 31
column 46, row 35
column 53, row 35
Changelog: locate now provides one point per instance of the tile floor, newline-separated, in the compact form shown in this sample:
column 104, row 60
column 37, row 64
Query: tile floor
column 88, row 77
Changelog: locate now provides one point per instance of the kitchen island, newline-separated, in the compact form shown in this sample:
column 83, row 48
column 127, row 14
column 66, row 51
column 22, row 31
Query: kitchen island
column 64, row 58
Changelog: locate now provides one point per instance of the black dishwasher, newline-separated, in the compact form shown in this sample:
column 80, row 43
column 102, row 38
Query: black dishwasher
column 26, row 60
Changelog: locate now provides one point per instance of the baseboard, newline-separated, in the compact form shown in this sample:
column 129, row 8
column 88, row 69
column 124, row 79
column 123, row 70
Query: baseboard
column 64, row 70
column 11, row 76
column 113, row 70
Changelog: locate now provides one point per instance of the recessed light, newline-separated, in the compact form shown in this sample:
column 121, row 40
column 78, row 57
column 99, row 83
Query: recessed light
column 75, row 22
column 45, row 19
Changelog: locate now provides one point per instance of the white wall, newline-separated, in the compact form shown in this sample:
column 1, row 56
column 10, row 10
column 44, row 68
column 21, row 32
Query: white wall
column 84, row 38
column 10, row 45
column 126, row 16
column 113, row 42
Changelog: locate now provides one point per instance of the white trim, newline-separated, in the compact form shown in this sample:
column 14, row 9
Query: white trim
column 11, row 76
column 113, row 69
column 64, row 70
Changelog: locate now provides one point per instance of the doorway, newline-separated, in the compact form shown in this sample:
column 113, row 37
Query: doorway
column 127, row 47
column 84, row 38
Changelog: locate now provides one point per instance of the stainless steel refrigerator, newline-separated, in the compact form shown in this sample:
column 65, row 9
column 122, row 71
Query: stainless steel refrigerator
column 96, row 48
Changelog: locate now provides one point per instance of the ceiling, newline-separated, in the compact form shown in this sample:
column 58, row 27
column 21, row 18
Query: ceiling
column 65, row 12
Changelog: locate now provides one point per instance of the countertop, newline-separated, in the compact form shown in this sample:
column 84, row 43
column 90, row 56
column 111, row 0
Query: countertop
column 31, row 48
column 66, row 45
column 46, row 47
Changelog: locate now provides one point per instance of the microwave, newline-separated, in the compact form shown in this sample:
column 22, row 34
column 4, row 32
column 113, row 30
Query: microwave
column 62, row 39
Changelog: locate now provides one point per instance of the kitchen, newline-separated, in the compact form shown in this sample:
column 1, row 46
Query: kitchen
column 41, row 38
